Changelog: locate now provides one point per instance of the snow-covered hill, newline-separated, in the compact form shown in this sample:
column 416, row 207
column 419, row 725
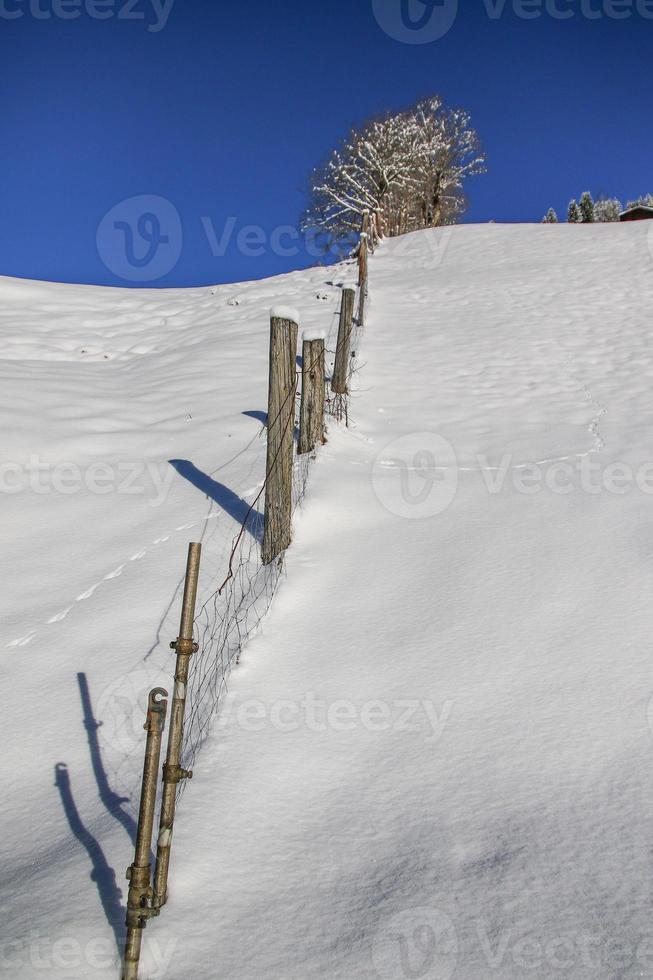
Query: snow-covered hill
column 435, row 761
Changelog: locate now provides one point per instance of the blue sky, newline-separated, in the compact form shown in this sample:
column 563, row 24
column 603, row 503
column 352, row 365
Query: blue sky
column 222, row 109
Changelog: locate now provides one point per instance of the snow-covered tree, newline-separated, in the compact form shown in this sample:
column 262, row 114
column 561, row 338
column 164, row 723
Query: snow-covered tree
column 645, row 201
column 445, row 150
column 586, row 207
column 550, row 218
column 607, row 209
column 359, row 177
column 407, row 169
column 573, row 213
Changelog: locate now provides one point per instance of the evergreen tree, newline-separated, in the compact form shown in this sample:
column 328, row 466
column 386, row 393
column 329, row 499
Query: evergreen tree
column 550, row 218
column 573, row 214
column 586, row 208
column 607, row 209
column 645, row 201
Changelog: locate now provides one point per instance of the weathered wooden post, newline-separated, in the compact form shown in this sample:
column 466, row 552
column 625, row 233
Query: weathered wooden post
column 362, row 301
column 173, row 774
column 362, row 260
column 363, row 250
column 366, row 228
column 311, row 416
column 374, row 231
column 139, row 902
column 378, row 227
column 341, row 366
column 277, row 531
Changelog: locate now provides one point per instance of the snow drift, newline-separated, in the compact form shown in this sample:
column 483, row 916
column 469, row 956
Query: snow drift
column 434, row 760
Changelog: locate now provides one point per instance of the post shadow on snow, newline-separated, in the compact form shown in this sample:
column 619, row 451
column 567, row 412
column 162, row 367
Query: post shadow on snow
column 173, row 601
column 111, row 800
column 102, row 874
column 231, row 503
column 261, row 417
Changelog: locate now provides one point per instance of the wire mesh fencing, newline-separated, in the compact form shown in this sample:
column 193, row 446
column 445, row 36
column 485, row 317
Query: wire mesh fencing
column 236, row 590
column 232, row 614
column 211, row 638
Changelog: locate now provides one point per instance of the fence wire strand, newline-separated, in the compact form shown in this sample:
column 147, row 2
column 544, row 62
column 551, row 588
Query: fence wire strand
column 233, row 613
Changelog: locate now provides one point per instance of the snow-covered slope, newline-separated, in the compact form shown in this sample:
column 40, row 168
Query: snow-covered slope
column 435, row 759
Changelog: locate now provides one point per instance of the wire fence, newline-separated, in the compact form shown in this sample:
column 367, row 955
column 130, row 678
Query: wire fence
column 230, row 610
column 212, row 638
column 233, row 613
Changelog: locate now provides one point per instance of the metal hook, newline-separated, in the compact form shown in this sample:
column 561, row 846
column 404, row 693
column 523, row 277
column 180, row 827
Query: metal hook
column 157, row 702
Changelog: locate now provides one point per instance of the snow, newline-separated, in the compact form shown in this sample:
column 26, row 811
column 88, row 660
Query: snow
column 314, row 334
column 285, row 313
column 434, row 760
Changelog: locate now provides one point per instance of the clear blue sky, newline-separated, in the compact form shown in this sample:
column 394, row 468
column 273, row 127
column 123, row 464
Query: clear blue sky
column 225, row 110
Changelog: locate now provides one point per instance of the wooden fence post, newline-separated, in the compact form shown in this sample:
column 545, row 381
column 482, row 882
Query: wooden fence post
column 363, row 250
column 139, row 902
column 341, row 366
column 366, row 228
column 311, row 418
column 173, row 774
column 378, row 226
column 362, row 300
column 281, row 417
column 362, row 260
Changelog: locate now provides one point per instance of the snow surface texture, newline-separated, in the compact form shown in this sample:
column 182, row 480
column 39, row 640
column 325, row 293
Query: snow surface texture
column 434, row 761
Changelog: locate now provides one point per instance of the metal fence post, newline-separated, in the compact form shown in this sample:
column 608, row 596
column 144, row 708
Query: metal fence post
column 172, row 771
column 139, row 907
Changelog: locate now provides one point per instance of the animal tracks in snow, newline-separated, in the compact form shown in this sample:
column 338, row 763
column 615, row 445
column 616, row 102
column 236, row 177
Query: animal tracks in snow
column 22, row 641
column 60, row 616
column 594, row 427
column 89, row 592
column 116, row 573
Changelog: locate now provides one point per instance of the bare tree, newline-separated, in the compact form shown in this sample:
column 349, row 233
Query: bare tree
column 407, row 169
column 446, row 152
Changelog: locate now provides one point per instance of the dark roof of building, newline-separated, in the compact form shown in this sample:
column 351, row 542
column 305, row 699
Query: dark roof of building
column 637, row 207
